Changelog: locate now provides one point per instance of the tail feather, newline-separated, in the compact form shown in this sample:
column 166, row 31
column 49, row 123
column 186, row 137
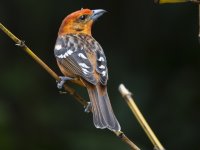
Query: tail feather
column 103, row 116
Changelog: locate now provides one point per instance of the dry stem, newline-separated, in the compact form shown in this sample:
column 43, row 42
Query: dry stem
column 68, row 89
column 199, row 23
column 128, row 98
column 175, row 1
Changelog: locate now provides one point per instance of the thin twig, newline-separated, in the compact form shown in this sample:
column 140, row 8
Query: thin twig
column 68, row 89
column 125, row 139
column 199, row 23
column 170, row 1
column 128, row 98
column 175, row 1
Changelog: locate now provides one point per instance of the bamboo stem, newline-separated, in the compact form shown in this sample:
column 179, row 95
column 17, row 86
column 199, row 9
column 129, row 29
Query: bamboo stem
column 125, row 139
column 68, row 89
column 175, row 1
column 129, row 100
column 199, row 23
column 170, row 1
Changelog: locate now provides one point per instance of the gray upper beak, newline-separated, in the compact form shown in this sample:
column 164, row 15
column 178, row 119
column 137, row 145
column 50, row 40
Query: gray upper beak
column 97, row 13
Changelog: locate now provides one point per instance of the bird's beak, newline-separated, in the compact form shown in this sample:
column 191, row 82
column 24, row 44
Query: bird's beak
column 97, row 13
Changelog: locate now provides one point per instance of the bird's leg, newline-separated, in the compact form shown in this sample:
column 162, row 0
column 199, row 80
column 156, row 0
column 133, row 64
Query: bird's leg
column 62, row 81
column 88, row 107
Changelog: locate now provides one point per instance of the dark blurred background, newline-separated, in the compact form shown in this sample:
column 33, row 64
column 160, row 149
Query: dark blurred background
column 152, row 49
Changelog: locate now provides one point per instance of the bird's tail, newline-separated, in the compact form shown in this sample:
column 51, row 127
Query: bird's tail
column 103, row 116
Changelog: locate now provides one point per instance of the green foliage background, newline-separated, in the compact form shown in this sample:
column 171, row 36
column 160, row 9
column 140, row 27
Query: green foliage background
column 152, row 49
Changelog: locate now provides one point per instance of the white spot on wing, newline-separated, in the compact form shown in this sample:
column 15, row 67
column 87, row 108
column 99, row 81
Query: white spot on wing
column 101, row 59
column 59, row 56
column 63, row 55
column 102, row 67
column 85, row 71
column 82, row 56
column 83, row 65
column 58, row 47
column 69, row 52
column 103, row 73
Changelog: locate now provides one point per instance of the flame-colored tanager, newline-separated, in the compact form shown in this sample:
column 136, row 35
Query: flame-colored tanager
column 82, row 60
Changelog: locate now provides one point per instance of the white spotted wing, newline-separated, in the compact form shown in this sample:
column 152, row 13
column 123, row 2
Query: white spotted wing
column 71, row 52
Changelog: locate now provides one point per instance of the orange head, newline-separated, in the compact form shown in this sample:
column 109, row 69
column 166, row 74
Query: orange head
column 80, row 21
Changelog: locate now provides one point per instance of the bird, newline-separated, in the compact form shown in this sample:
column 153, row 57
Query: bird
column 81, row 60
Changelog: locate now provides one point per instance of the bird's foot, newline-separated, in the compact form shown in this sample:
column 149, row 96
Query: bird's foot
column 88, row 107
column 62, row 81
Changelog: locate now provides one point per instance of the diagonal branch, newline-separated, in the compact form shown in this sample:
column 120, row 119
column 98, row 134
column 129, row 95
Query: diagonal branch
column 68, row 89
column 140, row 118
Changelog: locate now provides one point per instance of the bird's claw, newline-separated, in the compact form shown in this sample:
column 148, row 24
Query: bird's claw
column 20, row 43
column 62, row 81
column 88, row 107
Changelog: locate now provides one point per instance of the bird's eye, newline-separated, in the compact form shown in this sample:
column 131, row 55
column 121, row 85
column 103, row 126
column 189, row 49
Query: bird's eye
column 83, row 17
